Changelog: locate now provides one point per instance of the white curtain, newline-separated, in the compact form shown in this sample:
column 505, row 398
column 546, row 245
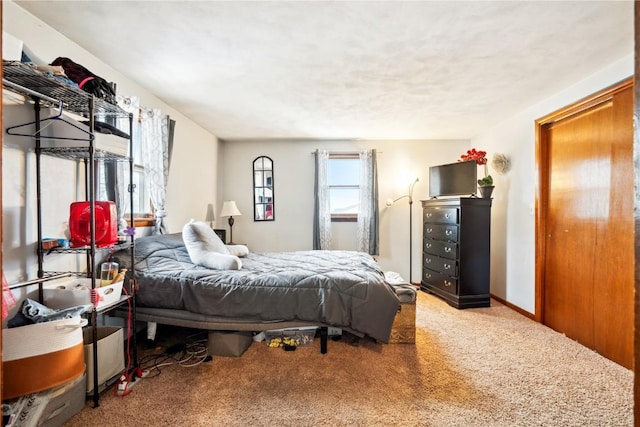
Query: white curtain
column 155, row 159
column 322, row 212
column 131, row 105
column 367, row 233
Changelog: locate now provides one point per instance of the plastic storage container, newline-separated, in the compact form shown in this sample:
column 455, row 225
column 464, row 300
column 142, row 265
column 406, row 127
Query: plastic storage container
column 48, row 408
column 297, row 337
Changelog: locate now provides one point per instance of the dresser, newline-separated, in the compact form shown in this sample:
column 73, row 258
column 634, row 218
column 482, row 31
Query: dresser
column 456, row 250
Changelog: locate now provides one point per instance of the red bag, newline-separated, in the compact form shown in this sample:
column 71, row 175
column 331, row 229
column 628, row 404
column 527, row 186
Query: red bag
column 8, row 300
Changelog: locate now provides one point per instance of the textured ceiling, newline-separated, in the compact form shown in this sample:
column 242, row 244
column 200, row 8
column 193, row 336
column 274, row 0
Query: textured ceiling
column 331, row 69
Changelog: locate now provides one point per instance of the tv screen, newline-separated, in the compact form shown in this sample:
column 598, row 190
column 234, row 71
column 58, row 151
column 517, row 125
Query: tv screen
column 453, row 179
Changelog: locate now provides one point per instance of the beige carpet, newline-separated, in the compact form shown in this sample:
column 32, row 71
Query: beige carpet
column 474, row 367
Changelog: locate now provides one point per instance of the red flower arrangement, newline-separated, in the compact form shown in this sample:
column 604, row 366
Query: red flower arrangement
column 480, row 157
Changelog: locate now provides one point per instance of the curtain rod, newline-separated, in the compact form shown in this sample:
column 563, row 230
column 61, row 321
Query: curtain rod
column 345, row 152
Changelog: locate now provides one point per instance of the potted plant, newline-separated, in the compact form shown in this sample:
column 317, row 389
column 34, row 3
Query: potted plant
column 485, row 184
column 487, row 181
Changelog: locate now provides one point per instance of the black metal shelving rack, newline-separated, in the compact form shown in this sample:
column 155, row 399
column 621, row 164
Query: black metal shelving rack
column 48, row 91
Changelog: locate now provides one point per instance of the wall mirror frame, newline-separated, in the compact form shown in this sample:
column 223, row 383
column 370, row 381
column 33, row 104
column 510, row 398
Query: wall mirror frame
column 263, row 200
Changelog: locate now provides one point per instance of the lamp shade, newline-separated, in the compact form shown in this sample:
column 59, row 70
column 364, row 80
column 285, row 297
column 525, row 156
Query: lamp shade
column 211, row 216
column 229, row 208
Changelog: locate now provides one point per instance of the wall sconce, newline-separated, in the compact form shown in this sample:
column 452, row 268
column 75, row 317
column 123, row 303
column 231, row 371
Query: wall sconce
column 501, row 163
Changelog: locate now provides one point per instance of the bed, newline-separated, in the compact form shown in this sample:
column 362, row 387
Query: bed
column 342, row 289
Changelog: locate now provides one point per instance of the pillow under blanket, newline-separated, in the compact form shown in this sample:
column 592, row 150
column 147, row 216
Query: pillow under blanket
column 206, row 249
column 238, row 250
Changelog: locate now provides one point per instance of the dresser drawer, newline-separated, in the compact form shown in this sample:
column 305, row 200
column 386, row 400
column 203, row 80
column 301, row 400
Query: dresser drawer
column 442, row 265
column 441, row 248
column 440, row 215
column 441, row 232
column 442, row 281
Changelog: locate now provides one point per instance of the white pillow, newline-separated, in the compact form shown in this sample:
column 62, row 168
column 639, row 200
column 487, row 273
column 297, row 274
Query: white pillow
column 216, row 261
column 199, row 235
column 238, row 250
column 206, row 249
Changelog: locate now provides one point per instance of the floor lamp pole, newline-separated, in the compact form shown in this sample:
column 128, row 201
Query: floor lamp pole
column 410, row 240
column 411, row 230
column 410, row 197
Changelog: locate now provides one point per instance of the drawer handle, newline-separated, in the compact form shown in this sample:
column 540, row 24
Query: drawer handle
column 428, row 275
column 427, row 245
column 447, row 266
column 429, row 215
column 448, row 232
column 427, row 260
column 446, row 215
column 429, row 230
column 447, row 249
column 447, row 283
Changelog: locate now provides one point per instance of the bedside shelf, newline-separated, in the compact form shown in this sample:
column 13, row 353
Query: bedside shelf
column 92, row 147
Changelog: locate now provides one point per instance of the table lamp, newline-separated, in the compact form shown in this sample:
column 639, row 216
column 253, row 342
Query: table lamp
column 230, row 209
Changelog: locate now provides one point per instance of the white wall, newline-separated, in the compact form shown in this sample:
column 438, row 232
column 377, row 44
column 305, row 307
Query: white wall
column 399, row 163
column 513, row 220
column 192, row 182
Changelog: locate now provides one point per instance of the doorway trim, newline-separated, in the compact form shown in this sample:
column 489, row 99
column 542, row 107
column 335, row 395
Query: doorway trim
column 542, row 179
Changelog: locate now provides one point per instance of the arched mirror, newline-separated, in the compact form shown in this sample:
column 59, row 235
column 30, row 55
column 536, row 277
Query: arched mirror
column 263, row 206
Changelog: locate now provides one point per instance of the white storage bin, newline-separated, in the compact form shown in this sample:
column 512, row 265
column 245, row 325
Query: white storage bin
column 78, row 292
column 11, row 47
column 110, row 354
column 40, row 356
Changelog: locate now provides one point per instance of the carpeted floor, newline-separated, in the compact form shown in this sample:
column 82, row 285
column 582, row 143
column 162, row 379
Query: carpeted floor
column 474, row 367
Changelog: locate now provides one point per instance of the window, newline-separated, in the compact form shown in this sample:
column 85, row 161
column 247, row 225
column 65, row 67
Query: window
column 142, row 207
column 343, row 176
column 141, row 199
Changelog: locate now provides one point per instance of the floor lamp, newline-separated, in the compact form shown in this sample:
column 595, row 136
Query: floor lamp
column 410, row 197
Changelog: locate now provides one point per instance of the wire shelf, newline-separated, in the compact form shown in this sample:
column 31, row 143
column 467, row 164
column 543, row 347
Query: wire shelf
column 85, row 249
column 76, row 100
column 79, row 153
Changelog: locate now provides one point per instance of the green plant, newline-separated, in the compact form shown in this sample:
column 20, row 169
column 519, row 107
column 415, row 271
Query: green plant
column 487, row 181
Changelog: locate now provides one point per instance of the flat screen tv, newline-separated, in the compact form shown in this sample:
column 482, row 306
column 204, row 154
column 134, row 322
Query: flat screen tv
column 453, row 179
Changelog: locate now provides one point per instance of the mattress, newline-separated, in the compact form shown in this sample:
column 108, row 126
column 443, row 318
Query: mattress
column 345, row 289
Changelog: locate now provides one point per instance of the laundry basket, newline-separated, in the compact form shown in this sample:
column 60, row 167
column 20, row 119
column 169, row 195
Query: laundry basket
column 40, row 356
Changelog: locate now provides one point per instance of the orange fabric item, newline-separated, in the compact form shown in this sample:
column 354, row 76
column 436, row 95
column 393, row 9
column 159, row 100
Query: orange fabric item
column 37, row 373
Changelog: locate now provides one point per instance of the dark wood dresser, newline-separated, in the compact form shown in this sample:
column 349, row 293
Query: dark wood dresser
column 456, row 250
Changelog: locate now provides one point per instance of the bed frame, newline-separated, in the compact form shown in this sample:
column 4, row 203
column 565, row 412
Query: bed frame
column 187, row 319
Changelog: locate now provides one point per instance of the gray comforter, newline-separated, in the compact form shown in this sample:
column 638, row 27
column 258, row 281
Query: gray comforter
column 337, row 288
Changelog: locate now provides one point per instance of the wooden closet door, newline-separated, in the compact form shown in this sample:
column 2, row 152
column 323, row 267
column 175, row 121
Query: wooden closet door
column 588, row 271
